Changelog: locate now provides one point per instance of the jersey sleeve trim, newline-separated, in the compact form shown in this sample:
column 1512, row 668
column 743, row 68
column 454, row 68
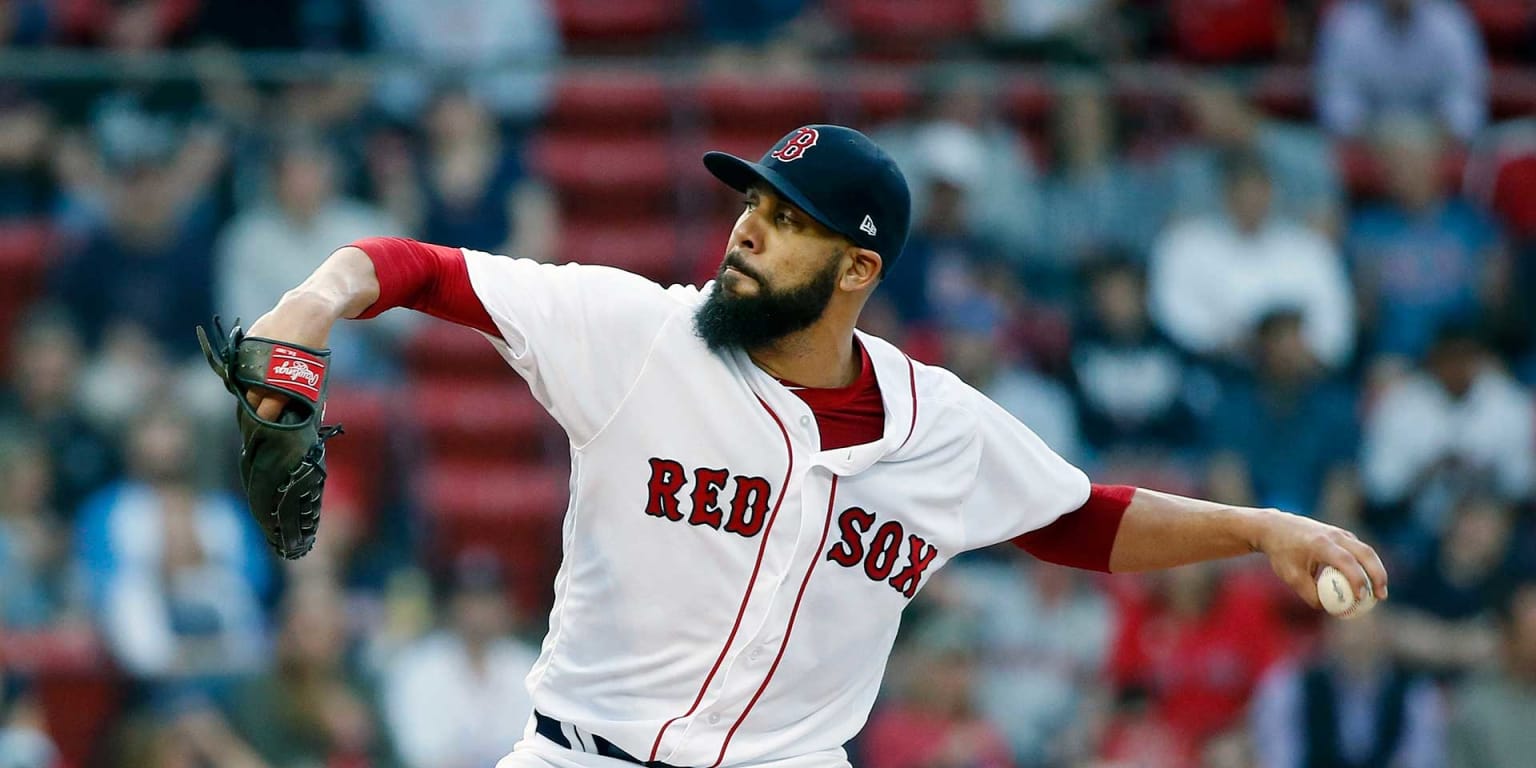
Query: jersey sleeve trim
column 1083, row 538
column 432, row 279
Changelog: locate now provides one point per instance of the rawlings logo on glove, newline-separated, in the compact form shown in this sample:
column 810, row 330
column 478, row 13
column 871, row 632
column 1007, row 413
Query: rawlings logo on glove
column 282, row 462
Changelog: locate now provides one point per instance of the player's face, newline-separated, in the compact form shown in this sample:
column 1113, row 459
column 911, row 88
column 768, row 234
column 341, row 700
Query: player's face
column 777, row 277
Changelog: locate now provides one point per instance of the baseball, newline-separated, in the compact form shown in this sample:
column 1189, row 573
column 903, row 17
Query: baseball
column 1333, row 591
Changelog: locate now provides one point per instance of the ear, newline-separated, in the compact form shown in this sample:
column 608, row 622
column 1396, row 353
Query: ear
column 862, row 269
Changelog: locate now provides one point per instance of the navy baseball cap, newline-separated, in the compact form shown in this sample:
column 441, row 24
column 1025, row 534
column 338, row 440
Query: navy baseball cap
column 838, row 177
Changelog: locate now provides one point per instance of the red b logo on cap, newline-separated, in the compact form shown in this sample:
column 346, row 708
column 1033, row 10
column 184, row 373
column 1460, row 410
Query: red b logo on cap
column 795, row 148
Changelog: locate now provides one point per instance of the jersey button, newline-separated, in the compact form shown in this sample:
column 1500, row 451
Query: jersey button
column 754, row 655
column 714, row 717
column 805, row 421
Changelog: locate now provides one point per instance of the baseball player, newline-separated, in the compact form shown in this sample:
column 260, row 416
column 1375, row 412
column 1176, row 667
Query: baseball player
column 757, row 488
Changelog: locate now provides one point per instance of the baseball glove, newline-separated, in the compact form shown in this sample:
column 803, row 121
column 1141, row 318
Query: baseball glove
column 282, row 462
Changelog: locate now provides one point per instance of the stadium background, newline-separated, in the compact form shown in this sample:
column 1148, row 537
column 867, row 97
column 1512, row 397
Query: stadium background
column 1278, row 253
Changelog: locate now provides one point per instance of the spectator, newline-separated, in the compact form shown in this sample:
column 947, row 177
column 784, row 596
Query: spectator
column 470, row 188
column 1306, row 183
column 154, row 236
column 932, row 722
column 24, row 739
column 1352, row 705
column 1420, row 258
column 1043, row 634
column 1198, row 646
column 314, row 708
column 503, row 50
column 273, row 246
column 184, row 732
column 1134, row 390
column 304, row 25
column 176, row 574
column 1491, row 727
column 44, row 401
column 1214, row 277
column 1283, row 433
column 26, row 184
column 457, row 698
column 25, row 23
column 974, row 352
column 35, row 588
column 957, row 119
column 1063, row 30
column 751, row 37
column 1460, row 424
column 942, row 255
column 1093, row 201
column 1385, row 58
column 1442, row 617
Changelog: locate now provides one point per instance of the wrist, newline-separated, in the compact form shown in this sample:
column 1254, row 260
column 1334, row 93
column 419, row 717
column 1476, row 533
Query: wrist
column 1255, row 525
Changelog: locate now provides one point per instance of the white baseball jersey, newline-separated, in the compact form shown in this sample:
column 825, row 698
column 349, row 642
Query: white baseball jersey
column 729, row 591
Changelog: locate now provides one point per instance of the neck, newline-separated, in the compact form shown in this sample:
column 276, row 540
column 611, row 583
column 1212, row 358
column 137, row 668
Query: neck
column 819, row 356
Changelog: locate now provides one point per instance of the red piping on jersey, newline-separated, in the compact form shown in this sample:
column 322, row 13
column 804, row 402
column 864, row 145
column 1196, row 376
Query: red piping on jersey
column 911, row 382
column 762, row 546
column 790, row 628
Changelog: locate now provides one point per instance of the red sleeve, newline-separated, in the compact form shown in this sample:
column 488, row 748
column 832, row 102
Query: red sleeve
column 1084, row 537
column 427, row 278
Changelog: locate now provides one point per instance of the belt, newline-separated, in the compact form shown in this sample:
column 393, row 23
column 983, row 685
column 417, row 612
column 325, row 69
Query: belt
column 584, row 741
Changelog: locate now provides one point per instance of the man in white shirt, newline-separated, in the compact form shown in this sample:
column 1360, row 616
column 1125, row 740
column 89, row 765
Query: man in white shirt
column 456, row 699
column 1212, row 278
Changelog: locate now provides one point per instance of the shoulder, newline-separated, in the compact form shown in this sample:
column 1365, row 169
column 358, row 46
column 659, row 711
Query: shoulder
column 589, row 283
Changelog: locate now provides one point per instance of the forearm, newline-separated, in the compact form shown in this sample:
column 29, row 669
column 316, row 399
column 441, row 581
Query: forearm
column 1160, row 530
column 343, row 286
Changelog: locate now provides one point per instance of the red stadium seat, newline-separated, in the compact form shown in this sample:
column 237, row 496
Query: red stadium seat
column 1508, row 26
column 497, row 420
column 25, row 249
column 1501, row 175
column 513, row 511
column 883, row 98
column 777, row 107
column 363, row 452
column 1285, row 92
column 1512, row 93
column 444, row 350
column 617, row 176
column 1027, row 101
column 609, row 102
column 908, row 28
column 632, row 24
column 1212, row 31
column 650, row 249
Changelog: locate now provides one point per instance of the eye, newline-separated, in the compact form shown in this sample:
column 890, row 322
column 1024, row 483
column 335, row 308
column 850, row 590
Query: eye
column 749, row 203
column 785, row 218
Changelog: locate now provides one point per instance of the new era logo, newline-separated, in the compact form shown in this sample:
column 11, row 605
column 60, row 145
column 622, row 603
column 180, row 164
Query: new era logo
column 867, row 226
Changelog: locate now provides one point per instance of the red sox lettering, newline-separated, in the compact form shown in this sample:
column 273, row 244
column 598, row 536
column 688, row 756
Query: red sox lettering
column 885, row 547
column 748, row 505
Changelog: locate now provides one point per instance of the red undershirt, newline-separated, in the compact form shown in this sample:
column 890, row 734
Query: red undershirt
column 434, row 279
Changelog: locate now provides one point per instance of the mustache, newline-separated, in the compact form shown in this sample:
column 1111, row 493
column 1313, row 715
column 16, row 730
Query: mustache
column 734, row 260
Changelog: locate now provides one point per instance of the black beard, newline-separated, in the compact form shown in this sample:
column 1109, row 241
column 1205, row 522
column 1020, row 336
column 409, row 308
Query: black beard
column 751, row 322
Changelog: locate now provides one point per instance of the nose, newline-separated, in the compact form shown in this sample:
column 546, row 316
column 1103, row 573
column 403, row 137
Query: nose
column 747, row 235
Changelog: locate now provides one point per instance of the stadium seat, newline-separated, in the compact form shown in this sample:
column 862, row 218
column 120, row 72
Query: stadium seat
column 1512, row 93
column 1225, row 31
column 609, row 102
column 907, row 29
column 362, row 454
column 513, row 511
column 1508, row 27
column 25, row 248
column 1501, row 174
column 882, row 98
column 617, row 176
column 636, row 25
column 444, row 350
column 1285, row 92
column 649, row 249
column 1027, row 101
column 776, row 107
column 485, row 420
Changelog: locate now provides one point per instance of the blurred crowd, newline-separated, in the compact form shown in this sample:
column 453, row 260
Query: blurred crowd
column 1321, row 301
